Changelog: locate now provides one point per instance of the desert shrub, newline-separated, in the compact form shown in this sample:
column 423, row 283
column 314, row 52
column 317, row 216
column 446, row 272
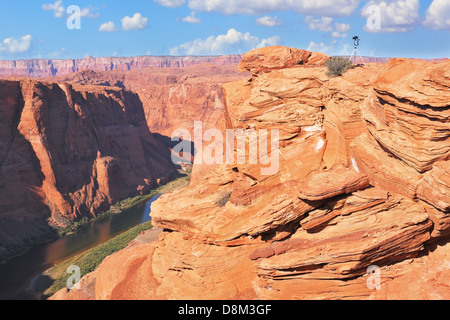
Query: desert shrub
column 337, row 66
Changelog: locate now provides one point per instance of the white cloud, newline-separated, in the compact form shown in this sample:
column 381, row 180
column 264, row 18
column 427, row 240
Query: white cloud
column 171, row 3
column 12, row 45
column 346, row 50
column 342, row 27
column 108, row 27
column 340, row 30
column 320, row 47
column 272, row 41
column 254, row 7
column 57, row 8
column 396, row 15
column 192, row 18
column 58, row 54
column 269, row 21
column 438, row 15
column 137, row 22
column 336, row 34
column 232, row 42
column 333, row 47
column 88, row 12
column 323, row 24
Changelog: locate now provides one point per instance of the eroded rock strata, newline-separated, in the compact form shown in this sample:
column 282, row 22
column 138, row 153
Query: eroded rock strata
column 363, row 181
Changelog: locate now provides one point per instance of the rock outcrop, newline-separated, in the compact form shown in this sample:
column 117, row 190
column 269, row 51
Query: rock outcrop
column 67, row 152
column 353, row 211
column 277, row 57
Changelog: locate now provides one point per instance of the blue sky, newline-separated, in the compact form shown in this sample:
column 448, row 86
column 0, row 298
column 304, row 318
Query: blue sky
column 387, row 28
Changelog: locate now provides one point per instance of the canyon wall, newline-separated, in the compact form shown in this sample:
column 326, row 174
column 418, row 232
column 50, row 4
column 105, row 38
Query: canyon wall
column 172, row 98
column 69, row 151
column 54, row 67
column 363, row 185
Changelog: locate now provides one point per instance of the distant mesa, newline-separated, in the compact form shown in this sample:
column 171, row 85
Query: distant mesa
column 54, row 67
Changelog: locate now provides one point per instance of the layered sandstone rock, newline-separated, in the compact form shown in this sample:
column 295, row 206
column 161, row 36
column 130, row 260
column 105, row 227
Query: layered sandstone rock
column 67, row 152
column 407, row 112
column 361, row 185
column 277, row 57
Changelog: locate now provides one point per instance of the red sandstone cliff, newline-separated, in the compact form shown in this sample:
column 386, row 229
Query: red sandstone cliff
column 67, row 152
column 363, row 180
column 172, row 98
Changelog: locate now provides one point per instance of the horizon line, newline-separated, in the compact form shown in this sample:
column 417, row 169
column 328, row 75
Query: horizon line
column 199, row 56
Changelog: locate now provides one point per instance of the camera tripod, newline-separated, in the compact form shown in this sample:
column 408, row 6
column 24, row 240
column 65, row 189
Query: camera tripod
column 355, row 52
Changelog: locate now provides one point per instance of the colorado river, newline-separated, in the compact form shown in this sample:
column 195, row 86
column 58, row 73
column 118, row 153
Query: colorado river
column 17, row 273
